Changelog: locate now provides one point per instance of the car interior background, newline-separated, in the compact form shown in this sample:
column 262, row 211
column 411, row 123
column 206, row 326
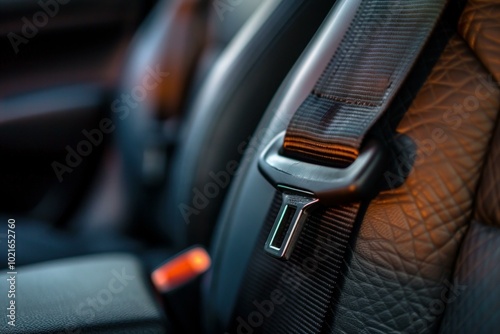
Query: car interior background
column 249, row 166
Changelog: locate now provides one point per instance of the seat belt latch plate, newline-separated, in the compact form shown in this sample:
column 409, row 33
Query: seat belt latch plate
column 289, row 222
column 304, row 185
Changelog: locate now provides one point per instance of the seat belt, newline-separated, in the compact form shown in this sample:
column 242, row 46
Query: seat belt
column 325, row 170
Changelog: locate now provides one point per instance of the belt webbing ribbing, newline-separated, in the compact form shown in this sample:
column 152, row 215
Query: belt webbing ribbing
column 373, row 59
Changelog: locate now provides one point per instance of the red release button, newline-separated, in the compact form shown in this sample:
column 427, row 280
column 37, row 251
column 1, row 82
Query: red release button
column 181, row 269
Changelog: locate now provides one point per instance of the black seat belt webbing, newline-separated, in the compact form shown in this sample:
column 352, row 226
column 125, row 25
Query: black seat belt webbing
column 360, row 80
column 375, row 56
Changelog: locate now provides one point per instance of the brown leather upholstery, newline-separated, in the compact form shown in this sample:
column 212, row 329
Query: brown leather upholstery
column 427, row 214
column 480, row 27
column 400, row 277
column 477, row 272
column 476, row 308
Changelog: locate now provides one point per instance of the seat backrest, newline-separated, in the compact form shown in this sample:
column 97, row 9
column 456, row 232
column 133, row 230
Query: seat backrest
column 177, row 42
column 236, row 75
column 227, row 109
column 425, row 253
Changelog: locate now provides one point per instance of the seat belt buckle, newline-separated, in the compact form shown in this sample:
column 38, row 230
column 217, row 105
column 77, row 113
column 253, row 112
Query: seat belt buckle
column 304, row 186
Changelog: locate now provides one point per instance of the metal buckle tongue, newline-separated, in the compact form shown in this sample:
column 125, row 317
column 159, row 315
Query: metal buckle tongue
column 291, row 218
column 304, row 185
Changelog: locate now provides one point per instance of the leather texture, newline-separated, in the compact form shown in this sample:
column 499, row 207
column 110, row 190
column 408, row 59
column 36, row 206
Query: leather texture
column 411, row 235
column 476, row 307
column 93, row 294
column 479, row 26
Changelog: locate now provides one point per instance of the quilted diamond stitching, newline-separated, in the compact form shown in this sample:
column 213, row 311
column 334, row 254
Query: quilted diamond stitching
column 411, row 235
column 480, row 27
